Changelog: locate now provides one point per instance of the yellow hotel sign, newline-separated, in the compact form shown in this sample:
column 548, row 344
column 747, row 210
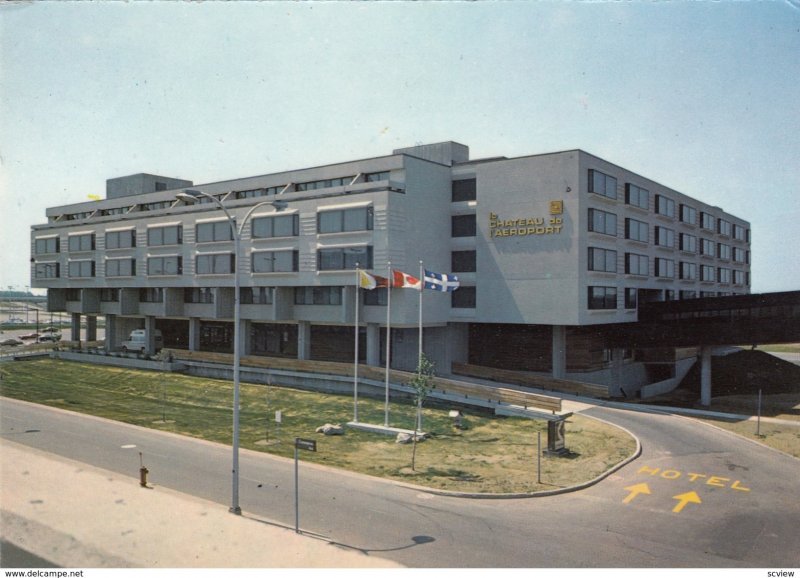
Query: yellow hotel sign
column 524, row 226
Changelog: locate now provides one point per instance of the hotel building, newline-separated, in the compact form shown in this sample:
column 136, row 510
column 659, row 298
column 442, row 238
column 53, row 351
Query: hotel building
column 551, row 251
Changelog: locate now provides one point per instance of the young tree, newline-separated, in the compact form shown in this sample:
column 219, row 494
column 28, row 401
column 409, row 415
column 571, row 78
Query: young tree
column 422, row 383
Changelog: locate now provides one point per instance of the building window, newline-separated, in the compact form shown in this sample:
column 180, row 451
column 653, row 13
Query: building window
column 602, row 184
column 120, row 267
column 665, row 268
column 688, row 294
column 665, row 237
column 602, row 222
column 73, row 294
column 637, row 230
column 631, row 297
column 601, row 297
column 688, row 243
column 637, row 196
column 343, row 258
column 707, row 273
column 463, row 225
column 198, row 295
column 344, row 220
column 707, row 221
column 215, row 264
column 171, row 265
column 318, row 295
column 48, row 245
column 708, row 247
column 602, row 260
column 724, row 251
column 738, row 277
column 151, row 295
column 256, row 295
column 324, row 183
column 121, row 239
column 81, row 242
column 216, row 231
column 665, row 206
column 463, row 298
column 109, row 295
column 637, row 264
column 723, row 275
column 376, row 177
column 47, row 270
column 739, row 233
column 81, row 269
column 275, row 261
column 464, row 190
column 377, row 296
column 688, row 271
column 463, row 261
column 688, row 215
column 723, row 227
column 171, row 235
column 281, row 226
column 739, row 255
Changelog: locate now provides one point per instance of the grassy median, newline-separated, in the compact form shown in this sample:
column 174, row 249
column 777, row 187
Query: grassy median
column 492, row 454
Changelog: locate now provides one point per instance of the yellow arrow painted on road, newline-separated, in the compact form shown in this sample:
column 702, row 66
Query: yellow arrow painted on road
column 683, row 499
column 635, row 491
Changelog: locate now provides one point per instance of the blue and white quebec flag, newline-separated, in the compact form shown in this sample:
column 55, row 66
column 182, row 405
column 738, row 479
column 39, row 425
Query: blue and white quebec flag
column 440, row 281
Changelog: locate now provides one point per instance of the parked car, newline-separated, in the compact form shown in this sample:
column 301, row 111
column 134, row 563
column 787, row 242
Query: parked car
column 49, row 330
column 11, row 341
column 49, row 337
column 29, row 336
column 137, row 341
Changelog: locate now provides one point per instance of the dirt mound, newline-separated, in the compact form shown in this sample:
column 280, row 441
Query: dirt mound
column 745, row 372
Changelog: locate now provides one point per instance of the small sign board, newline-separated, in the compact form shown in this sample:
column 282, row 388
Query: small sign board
column 303, row 444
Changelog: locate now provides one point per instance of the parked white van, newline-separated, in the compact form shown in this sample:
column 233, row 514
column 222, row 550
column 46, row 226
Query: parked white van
column 137, row 341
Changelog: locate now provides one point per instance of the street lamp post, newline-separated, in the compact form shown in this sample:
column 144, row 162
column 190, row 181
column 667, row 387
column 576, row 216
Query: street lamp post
column 192, row 197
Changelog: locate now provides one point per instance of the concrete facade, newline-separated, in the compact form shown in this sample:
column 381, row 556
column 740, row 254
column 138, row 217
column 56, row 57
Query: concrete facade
column 557, row 241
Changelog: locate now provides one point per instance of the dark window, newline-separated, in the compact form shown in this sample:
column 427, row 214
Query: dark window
column 81, row 242
column 723, row 275
column 724, row 251
column 344, row 258
column 216, row 231
column 688, row 214
column 171, row 235
column 602, row 260
column 377, row 296
column 637, row 196
column 81, row 269
column 707, row 273
column 637, row 230
column 463, row 225
column 281, row 226
column 172, row 265
column 376, row 177
column 707, row 221
column 256, row 295
column 343, row 220
column 120, row 267
column 318, row 295
column 215, row 264
column 688, row 243
column 198, row 295
column 637, row 264
column 602, row 297
column 602, row 184
column 688, row 271
column 602, row 222
column 707, row 247
column 151, row 295
column 631, row 295
column 121, row 239
column 48, row 245
column 665, row 206
column 464, row 190
column 463, row 261
column 275, row 261
column 47, row 270
column 463, row 298
column 665, row 237
column 723, row 227
column 665, row 268
column 108, row 295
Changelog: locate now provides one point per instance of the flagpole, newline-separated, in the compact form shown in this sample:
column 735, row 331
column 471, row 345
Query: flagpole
column 388, row 338
column 422, row 286
column 355, row 363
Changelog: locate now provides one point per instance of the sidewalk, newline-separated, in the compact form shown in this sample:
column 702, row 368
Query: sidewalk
column 78, row 516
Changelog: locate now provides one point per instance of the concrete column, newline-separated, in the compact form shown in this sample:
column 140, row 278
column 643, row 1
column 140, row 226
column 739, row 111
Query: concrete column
column 91, row 328
column 150, row 333
column 559, row 351
column 617, row 357
column 304, row 340
column 194, row 334
column 705, row 376
column 75, row 326
column 373, row 344
column 111, row 333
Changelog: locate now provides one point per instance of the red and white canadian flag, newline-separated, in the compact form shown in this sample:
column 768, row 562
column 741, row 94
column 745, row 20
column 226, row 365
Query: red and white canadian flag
column 405, row 281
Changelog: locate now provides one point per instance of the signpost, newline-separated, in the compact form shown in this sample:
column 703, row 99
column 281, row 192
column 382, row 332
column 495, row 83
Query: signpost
column 300, row 444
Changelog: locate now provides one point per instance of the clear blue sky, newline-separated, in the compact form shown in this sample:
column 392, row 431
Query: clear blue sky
column 703, row 97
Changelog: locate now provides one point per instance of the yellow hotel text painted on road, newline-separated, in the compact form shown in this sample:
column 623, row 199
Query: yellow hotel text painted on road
column 715, row 481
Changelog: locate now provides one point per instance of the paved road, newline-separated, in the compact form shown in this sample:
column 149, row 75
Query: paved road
column 697, row 497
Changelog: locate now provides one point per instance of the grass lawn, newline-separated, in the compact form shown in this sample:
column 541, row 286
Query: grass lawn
column 493, row 454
